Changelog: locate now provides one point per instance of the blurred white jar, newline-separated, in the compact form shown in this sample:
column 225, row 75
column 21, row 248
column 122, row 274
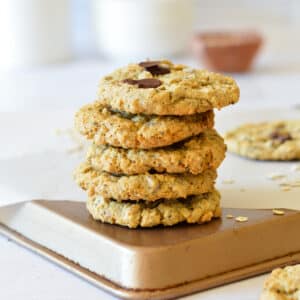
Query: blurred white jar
column 34, row 32
column 143, row 28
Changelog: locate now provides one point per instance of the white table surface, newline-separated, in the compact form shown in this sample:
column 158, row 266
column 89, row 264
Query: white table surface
column 24, row 275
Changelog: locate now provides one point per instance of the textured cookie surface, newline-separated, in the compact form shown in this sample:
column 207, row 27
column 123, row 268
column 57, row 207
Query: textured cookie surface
column 205, row 151
column 149, row 187
column 178, row 90
column 136, row 131
column 195, row 209
column 266, row 141
column 283, row 284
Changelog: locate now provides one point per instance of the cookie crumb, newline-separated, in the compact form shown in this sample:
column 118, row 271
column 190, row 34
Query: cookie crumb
column 276, row 176
column 295, row 184
column 241, row 219
column 284, row 184
column 278, row 212
column 229, row 216
column 75, row 149
column 295, row 168
column 58, row 131
column 228, row 181
column 74, row 137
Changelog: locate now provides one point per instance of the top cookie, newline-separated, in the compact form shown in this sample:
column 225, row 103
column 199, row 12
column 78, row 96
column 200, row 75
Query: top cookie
column 163, row 88
column 277, row 140
column 283, row 284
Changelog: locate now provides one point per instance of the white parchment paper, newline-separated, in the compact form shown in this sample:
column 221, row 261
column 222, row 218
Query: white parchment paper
column 46, row 175
column 38, row 154
column 37, row 163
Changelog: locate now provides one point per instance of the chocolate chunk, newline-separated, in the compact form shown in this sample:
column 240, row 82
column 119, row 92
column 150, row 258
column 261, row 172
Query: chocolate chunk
column 148, row 64
column 158, row 70
column 130, row 81
column 280, row 136
column 149, row 83
column 154, row 68
column 144, row 83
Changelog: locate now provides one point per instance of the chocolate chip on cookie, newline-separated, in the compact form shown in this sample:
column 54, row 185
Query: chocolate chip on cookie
column 130, row 81
column 281, row 137
column 146, row 83
column 182, row 91
column 272, row 140
column 149, row 63
column 154, row 67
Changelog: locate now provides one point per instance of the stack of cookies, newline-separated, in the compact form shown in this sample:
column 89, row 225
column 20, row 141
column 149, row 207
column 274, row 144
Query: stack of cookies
column 154, row 151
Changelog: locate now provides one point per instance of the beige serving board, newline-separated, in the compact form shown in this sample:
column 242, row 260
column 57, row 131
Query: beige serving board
column 160, row 263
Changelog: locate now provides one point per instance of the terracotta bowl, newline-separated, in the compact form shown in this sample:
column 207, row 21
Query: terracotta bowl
column 227, row 51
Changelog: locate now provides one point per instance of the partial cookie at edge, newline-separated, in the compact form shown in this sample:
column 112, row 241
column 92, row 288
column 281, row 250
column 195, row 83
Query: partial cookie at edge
column 196, row 209
column 282, row 284
column 279, row 140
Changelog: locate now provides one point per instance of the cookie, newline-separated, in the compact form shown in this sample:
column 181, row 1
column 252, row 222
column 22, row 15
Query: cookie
column 105, row 127
column 283, row 284
column 279, row 140
column 195, row 209
column 163, row 88
column 205, row 151
column 149, row 187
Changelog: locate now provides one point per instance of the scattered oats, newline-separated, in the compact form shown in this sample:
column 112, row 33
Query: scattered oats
column 278, row 212
column 57, row 131
column 282, row 184
column 242, row 190
column 295, row 168
column 286, row 188
column 295, row 184
column 276, row 176
column 228, row 181
column 78, row 148
column 229, row 216
column 288, row 185
column 241, row 219
column 74, row 137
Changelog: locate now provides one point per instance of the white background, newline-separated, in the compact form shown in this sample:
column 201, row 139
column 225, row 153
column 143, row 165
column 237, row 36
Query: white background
column 274, row 82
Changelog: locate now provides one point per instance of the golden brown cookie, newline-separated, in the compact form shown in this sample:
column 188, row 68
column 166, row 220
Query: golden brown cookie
column 279, row 140
column 149, row 187
column 195, row 209
column 205, row 151
column 163, row 88
column 105, row 127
